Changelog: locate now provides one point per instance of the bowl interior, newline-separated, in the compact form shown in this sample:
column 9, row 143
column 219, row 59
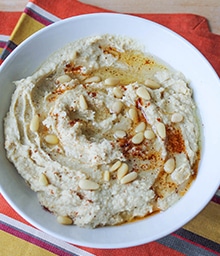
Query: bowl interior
column 158, row 41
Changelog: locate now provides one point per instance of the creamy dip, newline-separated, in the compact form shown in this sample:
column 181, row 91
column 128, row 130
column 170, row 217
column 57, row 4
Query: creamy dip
column 104, row 133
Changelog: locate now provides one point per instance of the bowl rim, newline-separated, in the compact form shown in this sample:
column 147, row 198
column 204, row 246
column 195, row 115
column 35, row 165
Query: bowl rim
column 10, row 58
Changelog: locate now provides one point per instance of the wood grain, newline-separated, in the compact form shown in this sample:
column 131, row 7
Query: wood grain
column 209, row 9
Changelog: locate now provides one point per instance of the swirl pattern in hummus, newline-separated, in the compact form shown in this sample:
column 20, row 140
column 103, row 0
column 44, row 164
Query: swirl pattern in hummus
column 104, row 133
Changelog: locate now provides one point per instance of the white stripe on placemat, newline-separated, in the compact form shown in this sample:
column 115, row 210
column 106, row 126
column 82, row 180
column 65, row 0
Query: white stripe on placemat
column 4, row 38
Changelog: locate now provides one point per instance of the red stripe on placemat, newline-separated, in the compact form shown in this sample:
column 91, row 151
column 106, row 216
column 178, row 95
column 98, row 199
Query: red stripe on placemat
column 2, row 44
column 38, row 17
column 216, row 197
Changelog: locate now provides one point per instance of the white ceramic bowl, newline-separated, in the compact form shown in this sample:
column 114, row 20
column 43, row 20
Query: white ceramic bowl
column 171, row 48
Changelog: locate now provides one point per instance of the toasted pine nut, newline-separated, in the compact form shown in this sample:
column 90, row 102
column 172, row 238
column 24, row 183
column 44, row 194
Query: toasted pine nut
column 93, row 79
column 112, row 81
column 152, row 84
column 169, row 166
column 106, row 176
column 180, row 174
column 138, row 138
column 43, row 179
column 88, row 185
column 129, row 178
column 65, row 220
column 117, row 107
column 122, row 171
column 119, row 134
column 133, row 114
column 51, row 139
column 176, row 117
column 117, row 92
column 140, row 127
column 115, row 166
column 149, row 135
column 63, row 79
column 161, row 130
column 143, row 93
column 82, row 102
column 34, row 125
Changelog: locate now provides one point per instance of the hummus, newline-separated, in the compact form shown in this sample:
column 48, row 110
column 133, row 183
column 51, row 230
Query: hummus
column 104, row 133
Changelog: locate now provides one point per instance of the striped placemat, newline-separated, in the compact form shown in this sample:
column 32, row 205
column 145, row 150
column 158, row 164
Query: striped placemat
column 18, row 235
column 201, row 236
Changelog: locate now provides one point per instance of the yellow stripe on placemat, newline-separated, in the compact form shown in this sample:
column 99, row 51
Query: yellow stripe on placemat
column 207, row 224
column 25, row 27
column 11, row 245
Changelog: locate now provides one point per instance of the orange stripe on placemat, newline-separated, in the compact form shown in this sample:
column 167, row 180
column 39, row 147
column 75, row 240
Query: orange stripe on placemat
column 8, row 20
column 6, row 209
column 150, row 249
column 67, row 8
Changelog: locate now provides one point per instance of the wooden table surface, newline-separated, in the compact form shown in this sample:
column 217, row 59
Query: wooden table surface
column 207, row 8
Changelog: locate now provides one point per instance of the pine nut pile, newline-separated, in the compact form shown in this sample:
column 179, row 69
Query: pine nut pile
column 104, row 133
